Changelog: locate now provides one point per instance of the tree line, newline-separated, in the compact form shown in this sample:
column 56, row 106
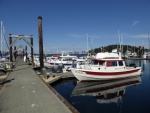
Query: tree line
column 124, row 48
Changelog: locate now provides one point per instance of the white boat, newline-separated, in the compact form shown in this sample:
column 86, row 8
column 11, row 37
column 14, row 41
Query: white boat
column 146, row 55
column 66, row 61
column 105, row 92
column 52, row 59
column 105, row 66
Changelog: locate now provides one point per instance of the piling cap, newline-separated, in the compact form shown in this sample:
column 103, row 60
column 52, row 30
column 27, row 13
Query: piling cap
column 39, row 17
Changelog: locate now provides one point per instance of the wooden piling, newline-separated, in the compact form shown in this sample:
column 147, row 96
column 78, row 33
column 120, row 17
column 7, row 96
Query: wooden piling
column 26, row 54
column 40, row 35
column 15, row 53
column 31, row 41
column 10, row 49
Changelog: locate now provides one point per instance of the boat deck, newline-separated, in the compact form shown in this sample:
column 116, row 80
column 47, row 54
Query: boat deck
column 25, row 92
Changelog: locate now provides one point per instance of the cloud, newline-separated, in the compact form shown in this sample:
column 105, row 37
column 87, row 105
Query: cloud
column 138, row 36
column 77, row 36
column 84, row 36
column 135, row 22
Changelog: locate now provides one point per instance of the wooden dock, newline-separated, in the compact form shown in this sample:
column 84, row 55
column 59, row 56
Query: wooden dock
column 54, row 76
column 24, row 91
column 2, row 78
column 58, row 76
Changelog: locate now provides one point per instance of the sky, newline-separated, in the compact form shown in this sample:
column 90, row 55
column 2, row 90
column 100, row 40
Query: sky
column 66, row 24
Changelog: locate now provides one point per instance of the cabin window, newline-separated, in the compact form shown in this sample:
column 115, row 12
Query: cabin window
column 95, row 62
column 59, row 58
column 70, row 59
column 120, row 63
column 114, row 63
column 101, row 63
column 66, row 59
column 111, row 63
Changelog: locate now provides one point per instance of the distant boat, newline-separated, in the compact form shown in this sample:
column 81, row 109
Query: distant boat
column 105, row 66
column 65, row 61
column 146, row 55
column 131, row 54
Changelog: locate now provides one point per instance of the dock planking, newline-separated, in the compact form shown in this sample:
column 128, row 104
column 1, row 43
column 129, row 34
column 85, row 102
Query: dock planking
column 25, row 92
column 58, row 76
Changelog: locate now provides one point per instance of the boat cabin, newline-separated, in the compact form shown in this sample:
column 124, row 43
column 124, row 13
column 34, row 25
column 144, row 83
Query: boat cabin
column 66, row 58
column 108, row 63
column 108, row 60
column 105, row 62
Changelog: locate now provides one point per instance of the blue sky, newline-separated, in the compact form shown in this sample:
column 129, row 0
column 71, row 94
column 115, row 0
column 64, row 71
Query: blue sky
column 66, row 22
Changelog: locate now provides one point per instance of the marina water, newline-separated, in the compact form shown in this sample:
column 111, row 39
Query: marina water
column 123, row 96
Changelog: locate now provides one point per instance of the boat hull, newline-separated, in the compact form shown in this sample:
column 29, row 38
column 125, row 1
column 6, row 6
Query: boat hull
column 89, row 75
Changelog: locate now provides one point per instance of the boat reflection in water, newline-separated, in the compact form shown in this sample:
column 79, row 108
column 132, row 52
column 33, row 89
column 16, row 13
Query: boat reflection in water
column 105, row 92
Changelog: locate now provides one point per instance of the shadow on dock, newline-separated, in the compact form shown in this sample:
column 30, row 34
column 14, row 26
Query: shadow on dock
column 7, row 81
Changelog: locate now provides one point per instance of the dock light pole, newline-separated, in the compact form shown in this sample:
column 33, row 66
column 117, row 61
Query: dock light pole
column 40, row 35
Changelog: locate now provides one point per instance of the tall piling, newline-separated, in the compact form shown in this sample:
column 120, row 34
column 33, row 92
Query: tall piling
column 40, row 35
column 10, row 48
column 15, row 53
column 31, row 40
column 26, row 54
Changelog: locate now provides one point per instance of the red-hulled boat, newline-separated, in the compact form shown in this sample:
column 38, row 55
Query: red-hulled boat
column 105, row 66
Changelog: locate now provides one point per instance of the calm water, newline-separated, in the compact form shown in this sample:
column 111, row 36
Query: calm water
column 123, row 96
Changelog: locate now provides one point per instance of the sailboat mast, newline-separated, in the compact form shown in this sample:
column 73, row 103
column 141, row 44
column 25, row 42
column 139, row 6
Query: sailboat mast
column 122, row 44
column 1, row 38
column 87, row 42
column 119, row 40
column 134, row 46
column 149, row 41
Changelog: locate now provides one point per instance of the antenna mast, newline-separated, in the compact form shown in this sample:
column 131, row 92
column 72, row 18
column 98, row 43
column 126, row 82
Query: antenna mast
column 119, row 40
column 87, row 42
column 1, row 37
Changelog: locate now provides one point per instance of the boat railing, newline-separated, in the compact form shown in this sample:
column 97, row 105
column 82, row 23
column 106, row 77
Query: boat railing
column 87, row 66
column 79, row 66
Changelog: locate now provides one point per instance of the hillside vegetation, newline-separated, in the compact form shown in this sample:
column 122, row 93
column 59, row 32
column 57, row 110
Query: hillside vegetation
column 139, row 50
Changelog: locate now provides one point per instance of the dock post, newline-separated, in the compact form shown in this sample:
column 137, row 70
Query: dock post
column 40, row 35
column 31, row 40
column 26, row 54
column 10, row 48
column 15, row 53
column 23, row 53
column 139, row 51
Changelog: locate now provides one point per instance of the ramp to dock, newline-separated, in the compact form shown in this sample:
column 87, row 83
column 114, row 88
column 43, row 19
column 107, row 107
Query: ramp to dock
column 25, row 92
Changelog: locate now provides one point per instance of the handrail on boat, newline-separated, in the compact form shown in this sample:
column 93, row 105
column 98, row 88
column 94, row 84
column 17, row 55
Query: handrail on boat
column 89, row 67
